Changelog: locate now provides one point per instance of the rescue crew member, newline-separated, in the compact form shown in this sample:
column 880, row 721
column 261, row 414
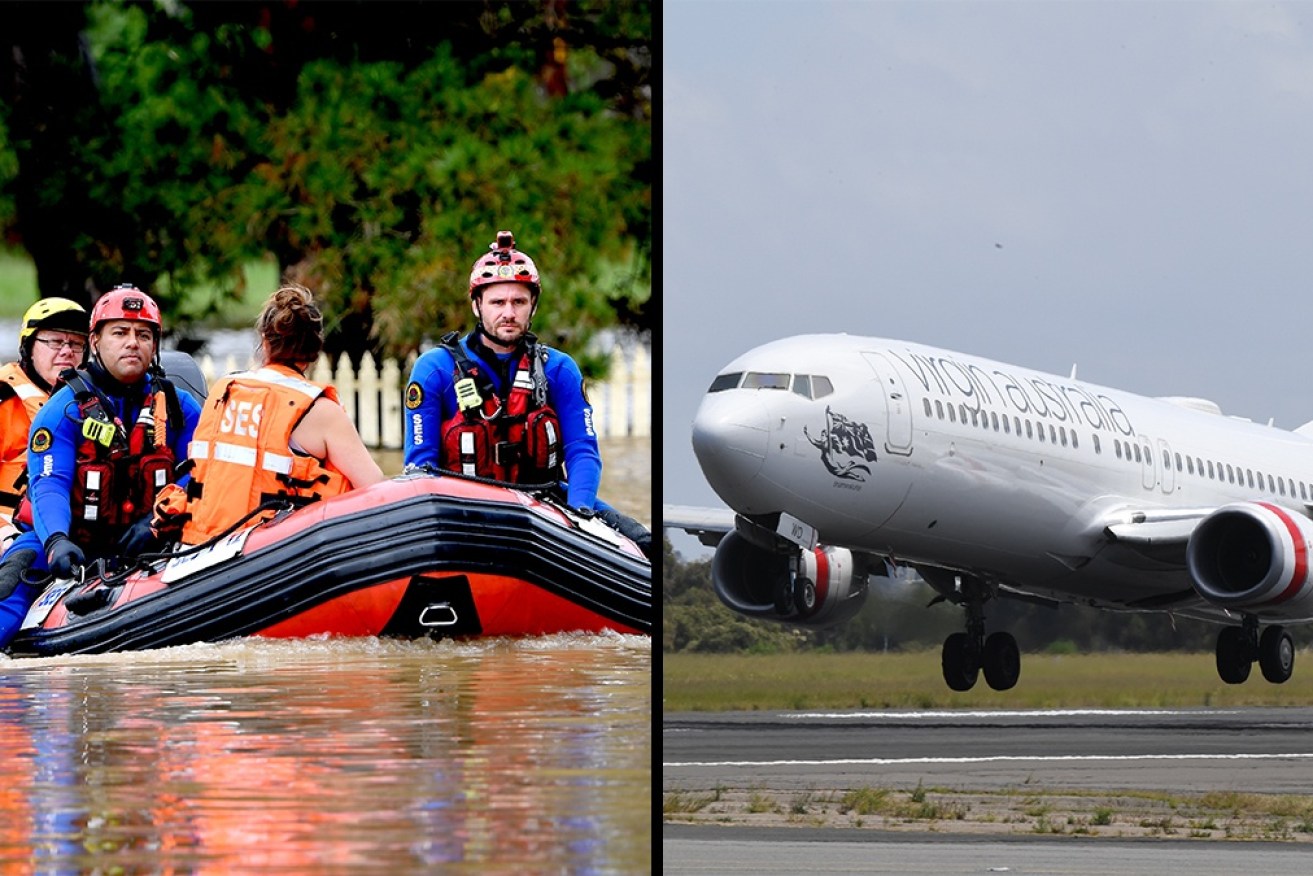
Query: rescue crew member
column 498, row 404
column 51, row 337
column 100, row 450
column 271, row 433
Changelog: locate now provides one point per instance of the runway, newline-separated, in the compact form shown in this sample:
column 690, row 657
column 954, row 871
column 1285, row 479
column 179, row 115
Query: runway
column 1100, row 780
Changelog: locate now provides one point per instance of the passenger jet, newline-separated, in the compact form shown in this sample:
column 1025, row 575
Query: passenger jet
column 844, row 456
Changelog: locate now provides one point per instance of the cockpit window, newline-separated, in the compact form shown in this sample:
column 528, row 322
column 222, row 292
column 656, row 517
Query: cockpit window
column 805, row 385
column 726, row 381
column 765, row 380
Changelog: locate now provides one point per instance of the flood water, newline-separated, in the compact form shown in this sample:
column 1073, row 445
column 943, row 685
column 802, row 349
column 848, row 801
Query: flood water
column 349, row 755
column 338, row 755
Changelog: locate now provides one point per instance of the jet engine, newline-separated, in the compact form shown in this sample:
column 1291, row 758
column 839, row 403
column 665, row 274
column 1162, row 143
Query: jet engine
column 1253, row 557
column 819, row 587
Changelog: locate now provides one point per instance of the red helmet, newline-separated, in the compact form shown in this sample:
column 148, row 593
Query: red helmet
column 126, row 301
column 505, row 264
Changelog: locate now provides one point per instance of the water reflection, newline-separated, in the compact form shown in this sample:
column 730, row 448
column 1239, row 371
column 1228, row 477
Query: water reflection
column 501, row 756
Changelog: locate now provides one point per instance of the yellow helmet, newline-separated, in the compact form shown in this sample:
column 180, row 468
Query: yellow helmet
column 56, row 314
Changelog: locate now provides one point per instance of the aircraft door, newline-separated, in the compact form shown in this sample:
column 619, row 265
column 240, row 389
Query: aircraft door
column 1146, row 450
column 1168, row 479
column 898, row 408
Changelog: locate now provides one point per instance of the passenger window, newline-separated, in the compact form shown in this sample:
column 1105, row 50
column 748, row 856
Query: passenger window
column 952, row 413
column 1029, row 433
column 821, row 386
column 926, row 402
column 939, row 409
column 1098, row 448
column 802, row 385
column 1178, row 462
column 1189, row 464
column 1138, row 458
column 726, row 381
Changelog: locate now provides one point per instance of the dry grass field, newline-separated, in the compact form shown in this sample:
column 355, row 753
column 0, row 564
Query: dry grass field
column 733, row 682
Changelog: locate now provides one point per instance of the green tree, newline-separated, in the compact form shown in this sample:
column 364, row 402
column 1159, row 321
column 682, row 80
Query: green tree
column 375, row 157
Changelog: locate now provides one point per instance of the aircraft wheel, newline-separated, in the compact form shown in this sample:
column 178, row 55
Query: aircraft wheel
column 1276, row 654
column 1002, row 661
column 1233, row 659
column 960, row 664
column 804, row 596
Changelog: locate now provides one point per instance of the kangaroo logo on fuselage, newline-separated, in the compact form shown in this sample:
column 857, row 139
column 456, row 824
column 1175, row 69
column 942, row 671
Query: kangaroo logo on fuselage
column 845, row 446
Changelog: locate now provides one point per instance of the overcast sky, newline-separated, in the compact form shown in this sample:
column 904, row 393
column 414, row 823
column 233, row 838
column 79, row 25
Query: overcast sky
column 1127, row 187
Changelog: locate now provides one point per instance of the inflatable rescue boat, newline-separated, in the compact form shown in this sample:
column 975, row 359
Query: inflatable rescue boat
column 420, row 555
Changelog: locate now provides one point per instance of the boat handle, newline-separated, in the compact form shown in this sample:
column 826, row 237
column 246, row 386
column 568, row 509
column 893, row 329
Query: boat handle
column 444, row 621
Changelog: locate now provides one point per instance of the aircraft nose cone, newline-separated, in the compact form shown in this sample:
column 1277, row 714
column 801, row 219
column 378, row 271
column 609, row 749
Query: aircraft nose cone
column 729, row 437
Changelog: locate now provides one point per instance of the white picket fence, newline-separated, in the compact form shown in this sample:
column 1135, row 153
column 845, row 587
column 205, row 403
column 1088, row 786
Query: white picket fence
column 622, row 405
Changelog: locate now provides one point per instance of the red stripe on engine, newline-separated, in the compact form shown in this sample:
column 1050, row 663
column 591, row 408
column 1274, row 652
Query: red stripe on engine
column 822, row 576
column 1301, row 553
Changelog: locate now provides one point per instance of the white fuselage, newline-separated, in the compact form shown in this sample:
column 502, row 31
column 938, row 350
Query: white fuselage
column 942, row 459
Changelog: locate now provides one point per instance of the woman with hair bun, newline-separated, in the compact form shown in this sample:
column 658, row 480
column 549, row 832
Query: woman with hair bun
column 270, row 433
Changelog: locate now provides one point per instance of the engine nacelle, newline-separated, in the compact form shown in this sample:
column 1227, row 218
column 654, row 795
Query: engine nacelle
column 827, row 584
column 1253, row 557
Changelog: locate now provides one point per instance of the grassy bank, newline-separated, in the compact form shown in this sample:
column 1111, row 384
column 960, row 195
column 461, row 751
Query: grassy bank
column 18, row 291
column 724, row 682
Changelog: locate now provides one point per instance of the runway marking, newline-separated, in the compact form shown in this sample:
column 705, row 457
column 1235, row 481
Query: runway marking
column 1002, row 758
column 1008, row 713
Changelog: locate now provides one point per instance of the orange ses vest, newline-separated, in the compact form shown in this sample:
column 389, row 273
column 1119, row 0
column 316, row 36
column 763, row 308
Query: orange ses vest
column 241, row 450
column 22, row 398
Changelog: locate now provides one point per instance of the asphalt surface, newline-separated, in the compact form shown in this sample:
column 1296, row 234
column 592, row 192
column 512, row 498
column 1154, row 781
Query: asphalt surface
column 1187, row 751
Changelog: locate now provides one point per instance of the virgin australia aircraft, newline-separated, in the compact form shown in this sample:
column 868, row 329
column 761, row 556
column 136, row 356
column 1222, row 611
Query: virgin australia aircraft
column 842, row 456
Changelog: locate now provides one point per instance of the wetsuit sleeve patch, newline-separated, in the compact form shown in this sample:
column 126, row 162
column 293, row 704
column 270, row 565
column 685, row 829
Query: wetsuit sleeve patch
column 41, row 440
column 414, row 396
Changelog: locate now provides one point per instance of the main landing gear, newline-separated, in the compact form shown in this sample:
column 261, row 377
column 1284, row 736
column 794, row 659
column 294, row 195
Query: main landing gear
column 1239, row 647
column 966, row 654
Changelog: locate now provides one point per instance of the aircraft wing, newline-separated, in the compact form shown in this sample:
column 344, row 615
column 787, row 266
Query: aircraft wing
column 708, row 525
column 1158, row 534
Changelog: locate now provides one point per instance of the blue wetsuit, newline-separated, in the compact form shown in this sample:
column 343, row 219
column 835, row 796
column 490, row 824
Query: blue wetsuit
column 52, row 461
column 431, row 402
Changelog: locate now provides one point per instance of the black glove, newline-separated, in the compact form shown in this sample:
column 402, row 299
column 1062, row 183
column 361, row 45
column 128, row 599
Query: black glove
column 63, row 555
column 139, row 538
column 629, row 528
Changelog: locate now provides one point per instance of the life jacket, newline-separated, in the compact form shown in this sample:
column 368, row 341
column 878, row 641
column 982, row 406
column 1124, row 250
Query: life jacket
column 16, row 388
column 516, row 438
column 119, row 469
column 241, row 451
